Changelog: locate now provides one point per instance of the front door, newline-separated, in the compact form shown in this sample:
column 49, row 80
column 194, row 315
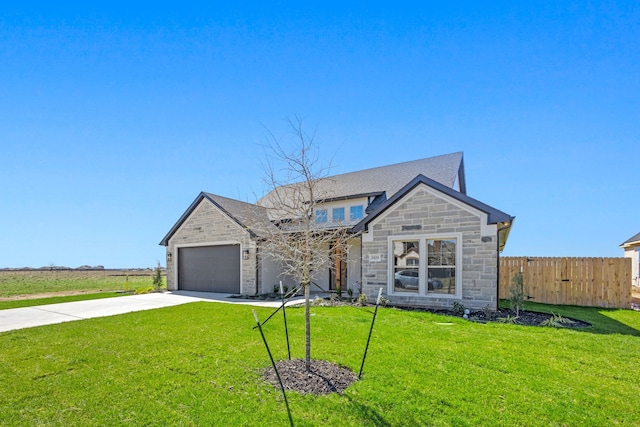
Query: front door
column 338, row 271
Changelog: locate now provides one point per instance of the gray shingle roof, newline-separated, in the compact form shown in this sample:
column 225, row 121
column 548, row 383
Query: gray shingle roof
column 445, row 169
column 384, row 182
column 248, row 215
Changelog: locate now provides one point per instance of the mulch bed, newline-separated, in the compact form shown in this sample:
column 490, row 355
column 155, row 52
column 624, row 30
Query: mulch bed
column 323, row 378
column 527, row 318
column 502, row 315
column 505, row 315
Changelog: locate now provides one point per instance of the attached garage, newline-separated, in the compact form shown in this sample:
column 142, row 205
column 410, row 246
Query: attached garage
column 209, row 269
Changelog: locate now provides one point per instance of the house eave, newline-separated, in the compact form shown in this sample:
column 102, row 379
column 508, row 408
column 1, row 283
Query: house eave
column 351, row 197
column 631, row 242
column 504, row 228
column 627, row 245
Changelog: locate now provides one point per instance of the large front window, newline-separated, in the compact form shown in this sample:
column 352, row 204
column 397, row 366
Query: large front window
column 425, row 265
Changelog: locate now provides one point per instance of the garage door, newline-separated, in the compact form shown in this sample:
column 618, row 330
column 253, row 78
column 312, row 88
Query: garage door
column 209, row 269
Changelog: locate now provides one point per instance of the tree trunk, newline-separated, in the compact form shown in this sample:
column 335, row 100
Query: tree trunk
column 307, row 323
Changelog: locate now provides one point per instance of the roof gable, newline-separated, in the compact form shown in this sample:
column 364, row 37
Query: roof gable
column 494, row 216
column 246, row 215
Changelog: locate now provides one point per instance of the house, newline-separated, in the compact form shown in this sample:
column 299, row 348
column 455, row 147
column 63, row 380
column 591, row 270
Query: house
column 632, row 250
column 414, row 232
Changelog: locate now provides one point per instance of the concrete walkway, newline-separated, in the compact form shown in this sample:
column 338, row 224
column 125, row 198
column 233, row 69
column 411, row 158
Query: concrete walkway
column 28, row 317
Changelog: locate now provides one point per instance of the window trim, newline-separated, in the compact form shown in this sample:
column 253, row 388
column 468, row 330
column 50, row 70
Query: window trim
column 422, row 265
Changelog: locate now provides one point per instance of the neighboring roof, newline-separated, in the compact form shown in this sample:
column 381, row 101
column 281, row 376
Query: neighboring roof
column 447, row 169
column 635, row 240
column 247, row 215
column 494, row 216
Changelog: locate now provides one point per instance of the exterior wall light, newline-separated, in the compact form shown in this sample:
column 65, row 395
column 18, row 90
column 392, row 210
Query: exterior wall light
column 168, row 256
column 245, row 254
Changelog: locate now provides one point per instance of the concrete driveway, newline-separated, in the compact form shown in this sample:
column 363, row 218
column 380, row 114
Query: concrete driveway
column 28, row 317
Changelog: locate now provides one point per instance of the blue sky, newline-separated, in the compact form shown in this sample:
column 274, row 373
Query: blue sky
column 114, row 118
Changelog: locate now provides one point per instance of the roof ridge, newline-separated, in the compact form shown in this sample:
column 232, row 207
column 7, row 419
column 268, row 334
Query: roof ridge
column 394, row 165
column 227, row 198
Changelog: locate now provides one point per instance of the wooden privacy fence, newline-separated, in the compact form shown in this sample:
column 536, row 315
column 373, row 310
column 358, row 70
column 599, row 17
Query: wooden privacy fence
column 592, row 282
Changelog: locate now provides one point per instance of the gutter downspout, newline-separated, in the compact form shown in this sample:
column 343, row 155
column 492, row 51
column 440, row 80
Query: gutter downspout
column 498, row 260
column 258, row 278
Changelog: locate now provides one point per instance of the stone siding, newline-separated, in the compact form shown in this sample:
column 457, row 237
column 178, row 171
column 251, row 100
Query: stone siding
column 422, row 212
column 206, row 226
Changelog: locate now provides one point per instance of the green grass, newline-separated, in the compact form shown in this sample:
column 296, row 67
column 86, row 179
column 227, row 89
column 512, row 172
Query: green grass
column 603, row 320
column 55, row 300
column 200, row 364
column 31, row 282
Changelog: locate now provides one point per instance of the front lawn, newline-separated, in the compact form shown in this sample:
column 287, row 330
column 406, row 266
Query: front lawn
column 201, row 363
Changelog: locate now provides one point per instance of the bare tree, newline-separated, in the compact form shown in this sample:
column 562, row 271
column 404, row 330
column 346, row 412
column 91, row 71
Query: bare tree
column 302, row 245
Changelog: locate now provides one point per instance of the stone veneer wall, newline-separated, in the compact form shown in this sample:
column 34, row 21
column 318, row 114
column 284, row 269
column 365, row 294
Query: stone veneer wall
column 430, row 214
column 207, row 225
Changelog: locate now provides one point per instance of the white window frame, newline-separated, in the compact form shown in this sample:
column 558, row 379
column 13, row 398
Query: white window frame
column 422, row 265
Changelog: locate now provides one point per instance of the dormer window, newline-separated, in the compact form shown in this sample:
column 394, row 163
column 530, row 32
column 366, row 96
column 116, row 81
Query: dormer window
column 321, row 216
column 356, row 213
column 337, row 214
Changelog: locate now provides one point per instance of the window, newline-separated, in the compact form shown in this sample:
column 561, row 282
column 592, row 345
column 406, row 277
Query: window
column 425, row 265
column 338, row 214
column 356, row 212
column 406, row 276
column 321, row 216
column 441, row 266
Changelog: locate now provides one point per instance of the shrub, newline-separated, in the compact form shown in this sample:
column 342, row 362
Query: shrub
column 157, row 277
column 516, row 293
column 319, row 302
column 556, row 321
column 458, row 309
column 512, row 320
column 362, row 299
